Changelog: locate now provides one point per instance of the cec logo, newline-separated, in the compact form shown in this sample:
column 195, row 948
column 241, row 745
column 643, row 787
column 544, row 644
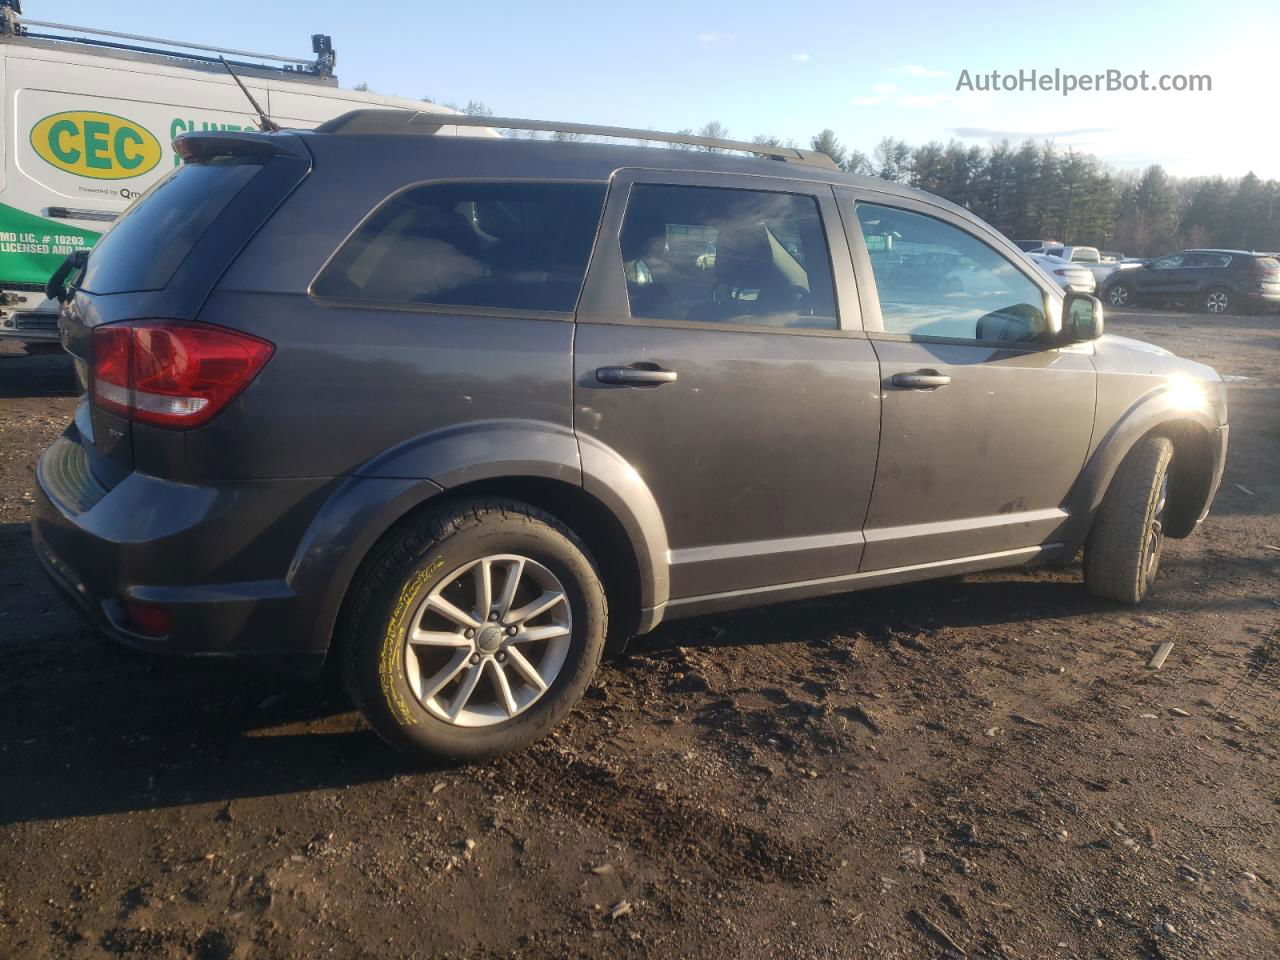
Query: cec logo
column 98, row 145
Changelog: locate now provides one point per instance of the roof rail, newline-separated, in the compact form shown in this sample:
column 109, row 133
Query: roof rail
column 427, row 122
column 12, row 23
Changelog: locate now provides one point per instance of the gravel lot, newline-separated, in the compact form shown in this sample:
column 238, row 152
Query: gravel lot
column 982, row 766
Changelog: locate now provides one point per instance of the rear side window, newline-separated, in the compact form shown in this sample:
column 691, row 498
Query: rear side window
column 515, row 246
column 148, row 243
column 717, row 255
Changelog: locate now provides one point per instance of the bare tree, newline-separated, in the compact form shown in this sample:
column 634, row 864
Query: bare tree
column 715, row 130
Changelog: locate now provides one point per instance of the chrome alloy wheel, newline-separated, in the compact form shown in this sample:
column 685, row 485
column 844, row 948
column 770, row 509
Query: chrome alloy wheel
column 488, row 640
column 1217, row 302
column 1151, row 549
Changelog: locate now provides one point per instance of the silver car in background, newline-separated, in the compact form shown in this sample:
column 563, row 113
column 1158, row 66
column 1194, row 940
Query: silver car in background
column 1071, row 277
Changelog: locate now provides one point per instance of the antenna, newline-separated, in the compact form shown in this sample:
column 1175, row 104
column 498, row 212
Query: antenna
column 265, row 123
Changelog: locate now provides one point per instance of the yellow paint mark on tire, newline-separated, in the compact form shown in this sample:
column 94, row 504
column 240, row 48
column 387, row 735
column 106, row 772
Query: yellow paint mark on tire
column 391, row 660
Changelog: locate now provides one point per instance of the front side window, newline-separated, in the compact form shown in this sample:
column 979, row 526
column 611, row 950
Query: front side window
column 716, row 255
column 936, row 280
column 1172, row 262
column 517, row 246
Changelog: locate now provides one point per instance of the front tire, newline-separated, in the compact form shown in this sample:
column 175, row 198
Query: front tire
column 1122, row 553
column 473, row 631
column 1120, row 294
column 1218, row 301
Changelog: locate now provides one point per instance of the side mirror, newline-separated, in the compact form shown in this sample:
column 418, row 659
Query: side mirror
column 1081, row 318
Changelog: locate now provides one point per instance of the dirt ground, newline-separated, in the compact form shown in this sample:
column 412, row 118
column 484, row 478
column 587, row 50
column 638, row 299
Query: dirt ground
column 979, row 767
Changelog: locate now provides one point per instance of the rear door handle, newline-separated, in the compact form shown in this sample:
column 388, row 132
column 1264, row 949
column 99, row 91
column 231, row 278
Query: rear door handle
column 636, row 375
column 920, row 380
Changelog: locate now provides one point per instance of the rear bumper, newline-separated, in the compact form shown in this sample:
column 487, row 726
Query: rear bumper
column 216, row 557
column 1266, row 301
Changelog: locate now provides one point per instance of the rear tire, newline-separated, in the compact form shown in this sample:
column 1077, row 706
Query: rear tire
column 508, row 686
column 1122, row 553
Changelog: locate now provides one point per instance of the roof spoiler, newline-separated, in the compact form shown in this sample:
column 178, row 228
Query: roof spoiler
column 204, row 145
column 429, row 122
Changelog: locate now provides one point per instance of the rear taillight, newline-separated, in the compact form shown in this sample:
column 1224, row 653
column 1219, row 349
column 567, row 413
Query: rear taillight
column 172, row 374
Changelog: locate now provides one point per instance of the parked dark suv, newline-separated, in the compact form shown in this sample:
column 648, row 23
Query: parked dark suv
column 1215, row 281
column 458, row 414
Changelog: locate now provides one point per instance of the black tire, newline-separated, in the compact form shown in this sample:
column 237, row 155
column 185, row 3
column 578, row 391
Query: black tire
column 1119, row 294
column 1122, row 553
column 399, row 577
column 1218, row 301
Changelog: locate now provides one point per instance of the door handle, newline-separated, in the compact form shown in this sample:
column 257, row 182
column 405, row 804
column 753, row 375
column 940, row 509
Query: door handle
column 636, row 375
column 920, row 380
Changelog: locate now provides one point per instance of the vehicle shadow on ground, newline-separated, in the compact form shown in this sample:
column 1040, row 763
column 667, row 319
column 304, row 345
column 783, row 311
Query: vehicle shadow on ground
column 88, row 729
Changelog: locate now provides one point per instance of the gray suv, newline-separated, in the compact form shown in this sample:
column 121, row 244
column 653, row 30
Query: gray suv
column 455, row 416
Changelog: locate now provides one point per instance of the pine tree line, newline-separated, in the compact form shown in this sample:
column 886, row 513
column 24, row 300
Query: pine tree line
column 1038, row 190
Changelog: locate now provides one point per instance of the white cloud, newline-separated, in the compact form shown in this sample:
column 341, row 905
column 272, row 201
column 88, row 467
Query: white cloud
column 883, row 89
column 915, row 70
column 710, row 38
column 802, row 57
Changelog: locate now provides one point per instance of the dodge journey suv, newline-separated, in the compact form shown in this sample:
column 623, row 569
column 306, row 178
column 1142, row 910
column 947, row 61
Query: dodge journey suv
column 453, row 416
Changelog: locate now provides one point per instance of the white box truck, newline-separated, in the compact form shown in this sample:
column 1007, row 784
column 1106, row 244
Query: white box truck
column 87, row 120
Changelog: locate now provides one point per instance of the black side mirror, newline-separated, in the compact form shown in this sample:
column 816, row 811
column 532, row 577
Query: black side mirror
column 1081, row 318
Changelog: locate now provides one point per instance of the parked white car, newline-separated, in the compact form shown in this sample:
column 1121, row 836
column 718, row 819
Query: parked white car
column 1072, row 277
column 1087, row 257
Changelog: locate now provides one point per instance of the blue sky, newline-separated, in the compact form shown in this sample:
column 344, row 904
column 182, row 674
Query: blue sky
column 866, row 70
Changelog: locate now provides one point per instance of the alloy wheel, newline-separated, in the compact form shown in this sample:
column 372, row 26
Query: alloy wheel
column 488, row 640
column 1217, row 302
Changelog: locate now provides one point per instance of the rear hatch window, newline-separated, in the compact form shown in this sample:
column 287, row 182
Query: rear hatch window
column 148, row 243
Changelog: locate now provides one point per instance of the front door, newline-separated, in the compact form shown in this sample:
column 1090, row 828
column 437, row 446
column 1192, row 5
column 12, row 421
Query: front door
column 1164, row 279
column 984, row 428
column 718, row 353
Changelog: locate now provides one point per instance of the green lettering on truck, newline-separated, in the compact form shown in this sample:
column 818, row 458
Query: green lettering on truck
column 128, row 159
column 96, row 144
column 56, row 132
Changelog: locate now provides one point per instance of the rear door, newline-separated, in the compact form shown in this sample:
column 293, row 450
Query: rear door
column 984, row 429
column 719, row 353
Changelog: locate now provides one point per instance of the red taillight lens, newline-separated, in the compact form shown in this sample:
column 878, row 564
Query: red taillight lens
column 110, row 364
column 172, row 374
